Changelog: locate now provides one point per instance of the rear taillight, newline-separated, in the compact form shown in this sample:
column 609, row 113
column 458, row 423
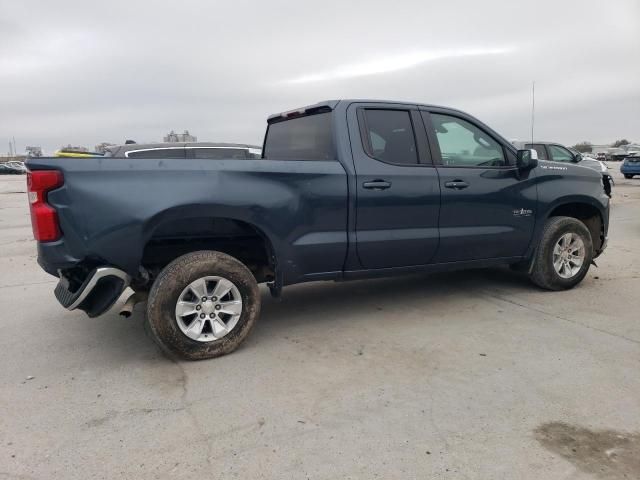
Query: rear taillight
column 44, row 218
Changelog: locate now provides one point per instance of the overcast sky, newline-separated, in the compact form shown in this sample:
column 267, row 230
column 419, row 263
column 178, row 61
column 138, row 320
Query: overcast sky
column 84, row 72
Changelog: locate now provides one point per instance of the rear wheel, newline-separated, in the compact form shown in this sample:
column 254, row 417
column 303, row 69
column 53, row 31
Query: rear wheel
column 202, row 305
column 627, row 176
column 564, row 254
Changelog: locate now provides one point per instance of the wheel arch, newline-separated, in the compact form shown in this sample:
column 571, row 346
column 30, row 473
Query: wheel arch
column 185, row 229
column 587, row 211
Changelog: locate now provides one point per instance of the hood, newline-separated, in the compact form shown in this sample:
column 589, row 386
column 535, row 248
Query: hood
column 581, row 169
column 593, row 164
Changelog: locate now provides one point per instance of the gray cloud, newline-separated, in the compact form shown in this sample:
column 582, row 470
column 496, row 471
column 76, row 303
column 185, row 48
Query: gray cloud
column 82, row 73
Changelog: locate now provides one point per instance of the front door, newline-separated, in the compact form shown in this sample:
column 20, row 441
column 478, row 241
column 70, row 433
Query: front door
column 487, row 210
column 397, row 189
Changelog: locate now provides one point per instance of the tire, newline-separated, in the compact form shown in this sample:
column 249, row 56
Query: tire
column 627, row 176
column 543, row 273
column 162, row 321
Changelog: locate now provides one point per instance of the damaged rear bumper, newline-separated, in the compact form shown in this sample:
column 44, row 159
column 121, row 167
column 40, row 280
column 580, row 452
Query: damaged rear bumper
column 97, row 294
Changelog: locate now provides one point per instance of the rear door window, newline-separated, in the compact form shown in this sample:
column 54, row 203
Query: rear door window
column 303, row 138
column 388, row 136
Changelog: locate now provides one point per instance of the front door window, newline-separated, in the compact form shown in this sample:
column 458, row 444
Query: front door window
column 560, row 154
column 465, row 145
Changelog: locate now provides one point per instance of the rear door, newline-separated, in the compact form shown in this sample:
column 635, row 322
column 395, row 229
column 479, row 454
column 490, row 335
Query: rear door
column 397, row 189
column 487, row 208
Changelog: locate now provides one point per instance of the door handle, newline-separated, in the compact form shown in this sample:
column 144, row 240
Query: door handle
column 377, row 185
column 457, row 184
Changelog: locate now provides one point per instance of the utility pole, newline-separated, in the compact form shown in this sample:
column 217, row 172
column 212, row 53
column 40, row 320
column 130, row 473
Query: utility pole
column 533, row 108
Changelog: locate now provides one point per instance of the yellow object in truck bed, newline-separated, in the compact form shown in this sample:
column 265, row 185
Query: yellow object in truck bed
column 61, row 153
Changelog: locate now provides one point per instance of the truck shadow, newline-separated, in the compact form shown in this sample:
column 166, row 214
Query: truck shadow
column 337, row 301
column 326, row 302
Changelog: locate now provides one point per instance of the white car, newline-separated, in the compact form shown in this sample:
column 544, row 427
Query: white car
column 17, row 165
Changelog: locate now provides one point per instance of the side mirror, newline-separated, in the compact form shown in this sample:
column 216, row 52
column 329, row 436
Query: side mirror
column 526, row 159
column 577, row 158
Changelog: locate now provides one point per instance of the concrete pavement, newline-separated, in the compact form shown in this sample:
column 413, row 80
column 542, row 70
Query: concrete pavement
column 467, row 375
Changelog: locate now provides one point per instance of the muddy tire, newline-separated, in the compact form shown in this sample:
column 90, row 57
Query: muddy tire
column 202, row 334
column 559, row 236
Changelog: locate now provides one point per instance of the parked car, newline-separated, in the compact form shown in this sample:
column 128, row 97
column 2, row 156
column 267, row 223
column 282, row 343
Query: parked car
column 601, row 156
column 617, row 154
column 630, row 166
column 18, row 166
column 344, row 190
column 6, row 169
column 214, row 151
column 559, row 153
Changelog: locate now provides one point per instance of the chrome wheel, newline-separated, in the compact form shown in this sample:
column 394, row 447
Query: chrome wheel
column 208, row 308
column 568, row 255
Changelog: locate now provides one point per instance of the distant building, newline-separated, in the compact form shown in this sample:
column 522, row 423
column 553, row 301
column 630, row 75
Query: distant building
column 180, row 137
column 71, row 148
column 12, row 158
column 601, row 148
column 610, row 149
column 34, row 151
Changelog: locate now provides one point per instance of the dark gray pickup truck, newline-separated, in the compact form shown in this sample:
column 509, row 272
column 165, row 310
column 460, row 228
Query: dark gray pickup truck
column 344, row 189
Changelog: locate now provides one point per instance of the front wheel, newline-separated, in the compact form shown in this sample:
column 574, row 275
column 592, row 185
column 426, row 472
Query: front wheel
column 627, row 176
column 202, row 305
column 564, row 254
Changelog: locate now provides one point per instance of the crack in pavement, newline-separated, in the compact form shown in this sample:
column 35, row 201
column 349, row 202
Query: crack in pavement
column 564, row 319
column 17, row 476
column 186, row 406
column 438, row 431
column 112, row 414
column 28, row 284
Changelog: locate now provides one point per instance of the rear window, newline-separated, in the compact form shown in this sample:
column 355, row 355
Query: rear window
column 302, row 138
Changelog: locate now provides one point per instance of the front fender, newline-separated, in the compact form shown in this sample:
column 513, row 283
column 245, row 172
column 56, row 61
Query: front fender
column 558, row 189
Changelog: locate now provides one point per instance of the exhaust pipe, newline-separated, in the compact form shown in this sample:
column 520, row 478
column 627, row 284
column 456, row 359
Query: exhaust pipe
column 127, row 308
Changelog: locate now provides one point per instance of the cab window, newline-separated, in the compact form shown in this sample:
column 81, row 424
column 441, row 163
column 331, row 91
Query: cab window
column 303, row 138
column 560, row 154
column 462, row 144
column 388, row 136
column 542, row 151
